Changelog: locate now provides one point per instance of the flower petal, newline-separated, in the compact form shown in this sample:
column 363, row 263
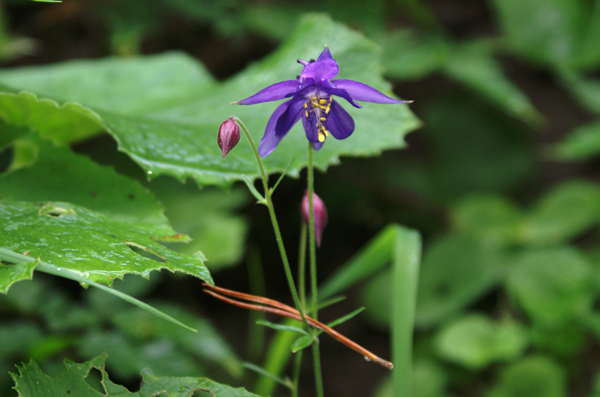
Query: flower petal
column 270, row 140
column 290, row 116
column 362, row 92
column 324, row 68
column 271, row 93
column 339, row 123
column 317, row 145
column 325, row 55
column 310, row 126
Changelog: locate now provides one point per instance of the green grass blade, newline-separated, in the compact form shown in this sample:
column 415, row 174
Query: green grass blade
column 375, row 255
column 407, row 258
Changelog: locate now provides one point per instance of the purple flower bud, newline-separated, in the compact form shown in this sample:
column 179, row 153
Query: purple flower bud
column 320, row 215
column 229, row 135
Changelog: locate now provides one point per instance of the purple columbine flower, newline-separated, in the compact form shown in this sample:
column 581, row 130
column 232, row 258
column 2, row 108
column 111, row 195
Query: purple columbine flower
column 312, row 100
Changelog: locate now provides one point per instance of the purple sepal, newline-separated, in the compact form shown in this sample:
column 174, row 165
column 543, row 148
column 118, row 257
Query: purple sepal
column 271, row 93
column 362, row 92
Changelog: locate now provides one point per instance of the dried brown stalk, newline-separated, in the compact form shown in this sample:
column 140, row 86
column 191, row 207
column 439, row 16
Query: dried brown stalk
column 275, row 307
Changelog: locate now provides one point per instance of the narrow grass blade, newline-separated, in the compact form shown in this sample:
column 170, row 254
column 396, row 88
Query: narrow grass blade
column 259, row 370
column 281, row 327
column 14, row 257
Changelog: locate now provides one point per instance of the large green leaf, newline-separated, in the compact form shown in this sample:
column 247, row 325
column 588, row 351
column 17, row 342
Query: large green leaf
column 60, row 175
column 169, row 125
column 84, row 241
column 31, row 381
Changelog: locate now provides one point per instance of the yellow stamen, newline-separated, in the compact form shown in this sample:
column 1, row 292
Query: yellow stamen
column 305, row 105
column 322, row 118
column 323, row 101
column 306, row 113
column 321, row 137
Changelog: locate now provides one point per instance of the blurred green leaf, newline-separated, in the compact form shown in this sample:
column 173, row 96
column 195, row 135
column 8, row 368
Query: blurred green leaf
column 31, row 381
column 488, row 218
column 552, row 285
column 563, row 339
column 428, row 380
column 408, row 55
column 456, row 271
column 473, row 149
column 546, row 31
column 207, row 343
column 88, row 243
column 580, row 144
column 164, row 111
column 566, row 211
column 129, row 355
column 474, row 341
column 473, row 65
column 60, row 175
column 535, row 376
column 586, row 90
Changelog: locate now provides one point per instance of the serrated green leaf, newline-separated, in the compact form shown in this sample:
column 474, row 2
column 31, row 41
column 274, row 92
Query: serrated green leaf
column 88, row 243
column 474, row 341
column 31, row 381
column 209, row 216
column 58, row 174
column 10, row 274
column 176, row 136
column 552, row 285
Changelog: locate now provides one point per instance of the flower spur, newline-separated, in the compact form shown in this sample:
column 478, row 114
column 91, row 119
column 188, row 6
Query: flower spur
column 312, row 100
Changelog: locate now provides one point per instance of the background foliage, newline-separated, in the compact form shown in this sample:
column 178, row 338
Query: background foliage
column 99, row 98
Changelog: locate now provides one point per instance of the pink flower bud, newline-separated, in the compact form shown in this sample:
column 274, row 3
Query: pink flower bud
column 229, row 135
column 320, row 215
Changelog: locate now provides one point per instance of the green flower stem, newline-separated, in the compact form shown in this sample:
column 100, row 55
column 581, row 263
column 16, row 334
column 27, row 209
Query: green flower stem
column 44, row 267
column 297, row 367
column 302, row 264
column 313, row 268
column 269, row 203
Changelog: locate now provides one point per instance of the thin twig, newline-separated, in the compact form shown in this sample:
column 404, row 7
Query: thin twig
column 275, row 307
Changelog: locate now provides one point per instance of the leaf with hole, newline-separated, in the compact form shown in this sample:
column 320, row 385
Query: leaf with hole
column 88, row 243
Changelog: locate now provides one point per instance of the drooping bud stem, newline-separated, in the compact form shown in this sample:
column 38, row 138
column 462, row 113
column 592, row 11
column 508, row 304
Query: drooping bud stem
column 229, row 135
column 320, row 215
